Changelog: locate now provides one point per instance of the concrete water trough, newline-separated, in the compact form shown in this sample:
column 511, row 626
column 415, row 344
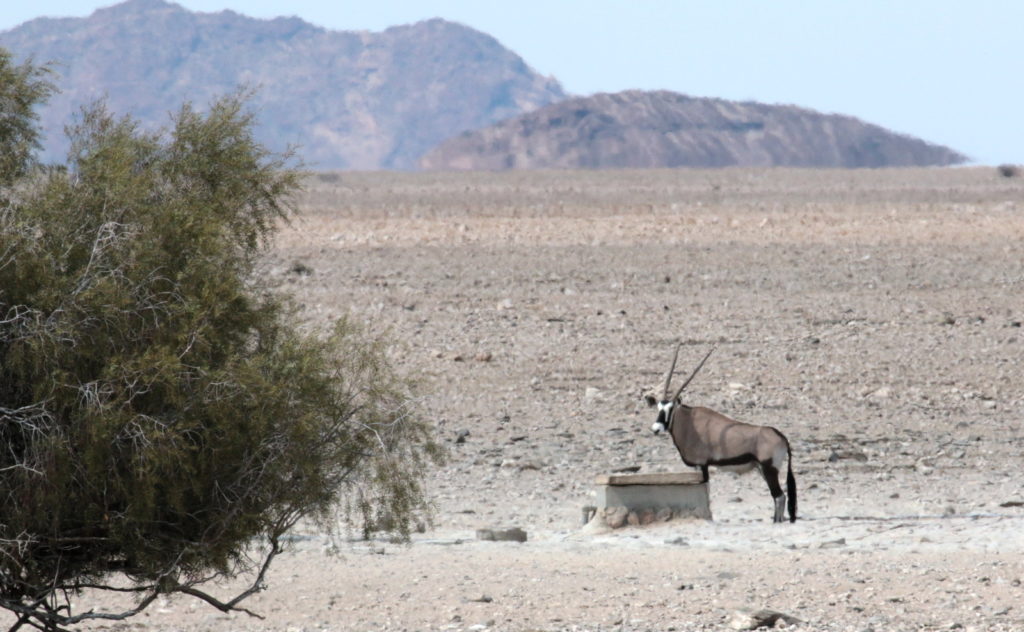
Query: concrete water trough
column 641, row 499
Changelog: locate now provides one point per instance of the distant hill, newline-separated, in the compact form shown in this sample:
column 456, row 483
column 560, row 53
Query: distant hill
column 352, row 100
column 666, row 129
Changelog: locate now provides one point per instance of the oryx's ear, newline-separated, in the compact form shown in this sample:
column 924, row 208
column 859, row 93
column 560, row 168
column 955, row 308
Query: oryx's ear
column 651, row 400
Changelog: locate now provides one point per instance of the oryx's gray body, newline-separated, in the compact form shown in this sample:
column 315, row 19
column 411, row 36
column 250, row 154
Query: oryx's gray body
column 705, row 437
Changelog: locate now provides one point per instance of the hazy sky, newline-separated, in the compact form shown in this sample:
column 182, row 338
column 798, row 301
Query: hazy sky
column 950, row 72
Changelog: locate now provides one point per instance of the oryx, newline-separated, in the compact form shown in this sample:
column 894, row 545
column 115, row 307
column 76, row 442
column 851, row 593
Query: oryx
column 705, row 437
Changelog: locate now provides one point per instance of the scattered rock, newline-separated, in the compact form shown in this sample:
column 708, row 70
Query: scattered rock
column 616, row 516
column 484, row 356
column 847, row 455
column 461, row 436
column 764, row 618
column 512, row 534
column 833, row 544
column 628, row 469
column 884, row 392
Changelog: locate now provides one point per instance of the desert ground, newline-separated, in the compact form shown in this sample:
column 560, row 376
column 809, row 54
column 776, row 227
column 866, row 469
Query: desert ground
column 874, row 317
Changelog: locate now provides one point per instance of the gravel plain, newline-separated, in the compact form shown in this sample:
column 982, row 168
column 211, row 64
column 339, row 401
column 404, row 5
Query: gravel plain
column 874, row 316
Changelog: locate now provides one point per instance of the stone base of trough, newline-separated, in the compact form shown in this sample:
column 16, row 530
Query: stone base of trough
column 633, row 500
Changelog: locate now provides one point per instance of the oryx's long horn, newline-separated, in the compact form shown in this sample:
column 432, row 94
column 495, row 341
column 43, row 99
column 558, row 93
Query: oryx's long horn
column 692, row 375
column 668, row 378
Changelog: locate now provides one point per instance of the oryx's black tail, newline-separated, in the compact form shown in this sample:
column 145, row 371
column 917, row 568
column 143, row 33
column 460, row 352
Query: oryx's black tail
column 791, row 489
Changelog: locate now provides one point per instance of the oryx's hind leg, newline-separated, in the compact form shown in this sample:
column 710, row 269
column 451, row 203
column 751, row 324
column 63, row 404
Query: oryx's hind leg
column 771, row 475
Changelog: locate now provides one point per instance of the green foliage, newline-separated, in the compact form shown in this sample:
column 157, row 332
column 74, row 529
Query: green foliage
column 158, row 409
column 22, row 88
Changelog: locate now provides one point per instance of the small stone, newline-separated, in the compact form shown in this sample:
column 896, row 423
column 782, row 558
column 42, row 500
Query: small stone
column 764, row 618
column 847, row 455
column 833, row 544
column 884, row 392
column 626, row 469
column 512, row 534
column 616, row 516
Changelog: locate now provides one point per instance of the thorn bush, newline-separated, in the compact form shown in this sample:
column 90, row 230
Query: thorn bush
column 160, row 415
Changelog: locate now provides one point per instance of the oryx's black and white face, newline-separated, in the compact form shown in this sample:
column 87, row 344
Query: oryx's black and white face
column 664, row 420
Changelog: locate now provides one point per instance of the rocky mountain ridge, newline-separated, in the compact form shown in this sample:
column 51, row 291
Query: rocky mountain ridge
column 348, row 99
column 638, row 129
column 432, row 95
